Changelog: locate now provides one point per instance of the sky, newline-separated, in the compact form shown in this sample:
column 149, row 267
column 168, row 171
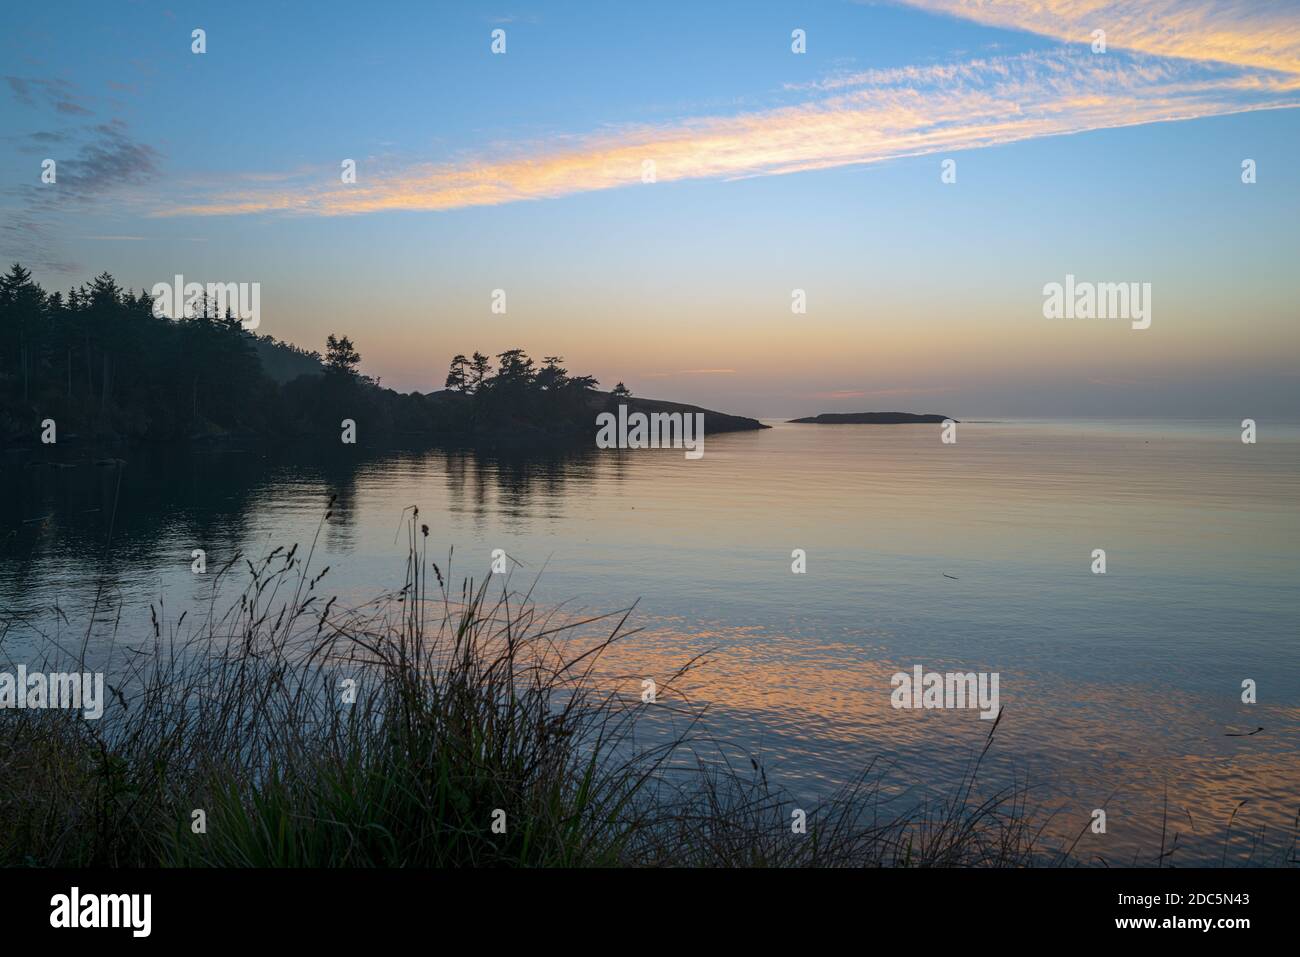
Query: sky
column 773, row 171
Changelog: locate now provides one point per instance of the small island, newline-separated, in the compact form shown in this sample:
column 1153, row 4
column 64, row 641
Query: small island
column 873, row 418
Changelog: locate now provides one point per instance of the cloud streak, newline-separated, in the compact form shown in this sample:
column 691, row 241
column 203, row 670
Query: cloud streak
column 96, row 164
column 851, row 119
column 57, row 93
column 1246, row 33
column 681, row 372
column 841, row 394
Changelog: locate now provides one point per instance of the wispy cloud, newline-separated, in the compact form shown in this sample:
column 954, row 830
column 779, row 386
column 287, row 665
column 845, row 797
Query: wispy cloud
column 1248, row 33
column 1112, row 382
column 42, row 139
column 25, row 238
column 109, row 159
column 849, row 119
column 838, row 394
column 143, row 239
column 57, row 93
column 95, row 162
column 668, row 375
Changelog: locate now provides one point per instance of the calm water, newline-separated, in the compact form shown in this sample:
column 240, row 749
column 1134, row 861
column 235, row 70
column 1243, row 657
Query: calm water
column 1115, row 687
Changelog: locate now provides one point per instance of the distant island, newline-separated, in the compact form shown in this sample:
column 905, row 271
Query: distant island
column 873, row 418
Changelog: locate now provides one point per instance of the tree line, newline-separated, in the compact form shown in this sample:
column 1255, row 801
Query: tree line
column 518, row 388
column 102, row 365
column 99, row 360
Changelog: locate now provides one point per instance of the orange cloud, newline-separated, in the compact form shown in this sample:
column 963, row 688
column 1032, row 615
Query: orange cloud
column 855, row 119
column 1246, row 33
column 879, row 393
column 666, row 375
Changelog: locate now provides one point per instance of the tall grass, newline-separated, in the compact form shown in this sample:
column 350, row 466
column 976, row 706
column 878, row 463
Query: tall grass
column 399, row 733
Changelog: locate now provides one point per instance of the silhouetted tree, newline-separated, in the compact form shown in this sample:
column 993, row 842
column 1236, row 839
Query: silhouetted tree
column 480, row 366
column 515, row 370
column 341, row 356
column 23, row 302
column 552, row 376
column 458, row 376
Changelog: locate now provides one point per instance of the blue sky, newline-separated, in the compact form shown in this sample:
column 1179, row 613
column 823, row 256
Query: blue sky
column 775, row 171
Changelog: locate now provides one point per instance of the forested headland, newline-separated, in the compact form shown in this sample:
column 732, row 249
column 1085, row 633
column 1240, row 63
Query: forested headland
column 100, row 364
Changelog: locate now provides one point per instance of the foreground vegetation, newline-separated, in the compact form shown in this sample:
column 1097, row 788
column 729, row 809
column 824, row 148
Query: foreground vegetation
column 287, row 731
column 464, row 706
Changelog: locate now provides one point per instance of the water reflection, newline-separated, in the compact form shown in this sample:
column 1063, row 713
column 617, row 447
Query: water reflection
column 972, row 557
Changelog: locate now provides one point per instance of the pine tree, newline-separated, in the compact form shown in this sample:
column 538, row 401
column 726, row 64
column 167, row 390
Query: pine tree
column 341, row 357
column 458, row 375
